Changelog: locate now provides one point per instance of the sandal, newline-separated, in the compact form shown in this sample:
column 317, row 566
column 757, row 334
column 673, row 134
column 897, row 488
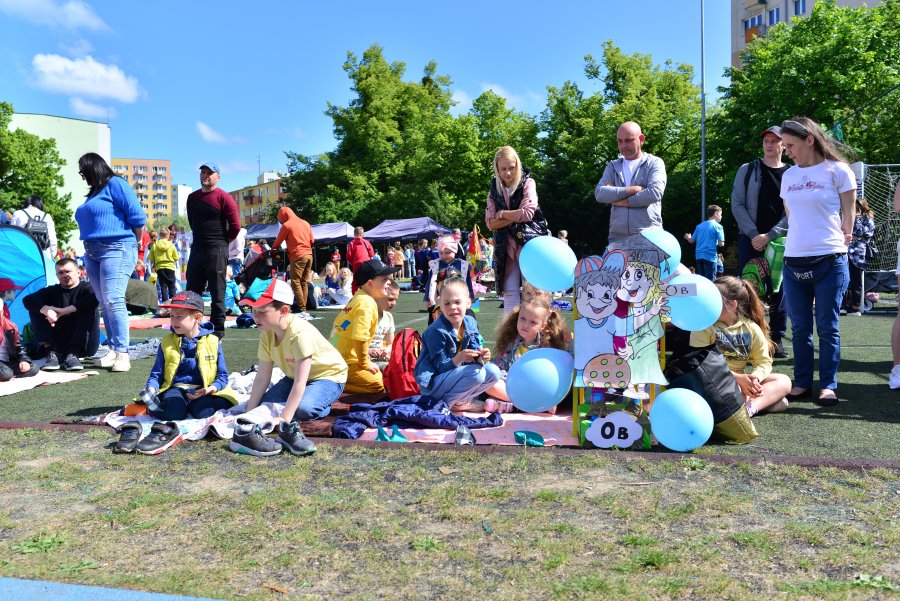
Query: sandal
column 796, row 396
column 492, row 405
column 827, row 400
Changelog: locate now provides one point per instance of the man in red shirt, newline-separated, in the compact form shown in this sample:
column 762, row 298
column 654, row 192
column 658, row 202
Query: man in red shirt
column 299, row 237
column 358, row 252
column 214, row 220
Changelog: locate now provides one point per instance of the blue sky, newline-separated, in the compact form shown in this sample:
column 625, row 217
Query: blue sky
column 232, row 81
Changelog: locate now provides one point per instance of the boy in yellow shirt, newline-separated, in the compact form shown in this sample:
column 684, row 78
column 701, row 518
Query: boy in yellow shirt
column 356, row 324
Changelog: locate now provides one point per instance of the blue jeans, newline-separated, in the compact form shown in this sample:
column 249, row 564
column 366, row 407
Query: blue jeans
column 174, row 405
column 706, row 268
column 109, row 266
column 317, row 398
column 463, row 383
column 824, row 283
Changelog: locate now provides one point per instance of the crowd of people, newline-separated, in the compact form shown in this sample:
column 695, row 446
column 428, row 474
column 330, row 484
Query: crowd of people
column 822, row 263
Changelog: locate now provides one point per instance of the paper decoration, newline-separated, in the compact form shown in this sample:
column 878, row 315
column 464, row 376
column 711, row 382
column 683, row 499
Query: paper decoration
column 617, row 429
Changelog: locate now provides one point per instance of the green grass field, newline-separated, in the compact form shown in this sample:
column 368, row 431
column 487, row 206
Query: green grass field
column 865, row 426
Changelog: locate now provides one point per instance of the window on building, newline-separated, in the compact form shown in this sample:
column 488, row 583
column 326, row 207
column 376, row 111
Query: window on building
column 799, row 7
column 753, row 22
column 774, row 16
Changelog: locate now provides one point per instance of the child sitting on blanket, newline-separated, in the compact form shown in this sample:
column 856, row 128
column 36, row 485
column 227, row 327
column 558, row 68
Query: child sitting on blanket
column 380, row 347
column 342, row 292
column 188, row 380
column 452, row 366
column 533, row 324
column 14, row 361
column 315, row 374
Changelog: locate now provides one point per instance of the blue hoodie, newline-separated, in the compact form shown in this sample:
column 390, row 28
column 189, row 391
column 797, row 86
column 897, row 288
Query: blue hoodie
column 188, row 372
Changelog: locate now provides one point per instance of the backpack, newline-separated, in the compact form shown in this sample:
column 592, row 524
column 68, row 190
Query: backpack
column 757, row 272
column 39, row 229
column 399, row 378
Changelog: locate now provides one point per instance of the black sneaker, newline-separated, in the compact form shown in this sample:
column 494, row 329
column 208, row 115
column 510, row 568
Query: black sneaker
column 162, row 436
column 72, row 363
column 780, row 351
column 292, row 439
column 251, row 439
column 129, row 435
column 52, row 363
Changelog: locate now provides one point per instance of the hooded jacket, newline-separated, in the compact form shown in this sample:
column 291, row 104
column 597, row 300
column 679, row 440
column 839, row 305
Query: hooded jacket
column 296, row 232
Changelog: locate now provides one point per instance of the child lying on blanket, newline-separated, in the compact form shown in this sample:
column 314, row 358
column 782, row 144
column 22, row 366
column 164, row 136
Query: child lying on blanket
column 188, row 380
column 315, row 374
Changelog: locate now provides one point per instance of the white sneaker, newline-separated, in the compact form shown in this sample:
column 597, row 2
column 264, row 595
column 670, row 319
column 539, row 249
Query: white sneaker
column 121, row 363
column 106, row 360
column 894, row 382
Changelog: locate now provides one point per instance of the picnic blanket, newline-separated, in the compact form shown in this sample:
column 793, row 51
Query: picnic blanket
column 42, row 378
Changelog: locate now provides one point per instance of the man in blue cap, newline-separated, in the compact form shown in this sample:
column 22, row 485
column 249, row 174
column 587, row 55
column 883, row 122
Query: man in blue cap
column 215, row 222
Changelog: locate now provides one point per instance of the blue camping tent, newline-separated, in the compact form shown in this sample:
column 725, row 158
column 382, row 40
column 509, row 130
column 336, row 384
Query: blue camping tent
column 26, row 266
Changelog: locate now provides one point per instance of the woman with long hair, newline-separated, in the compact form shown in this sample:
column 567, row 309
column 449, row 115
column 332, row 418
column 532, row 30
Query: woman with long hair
column 819, row 194
column 111, row 222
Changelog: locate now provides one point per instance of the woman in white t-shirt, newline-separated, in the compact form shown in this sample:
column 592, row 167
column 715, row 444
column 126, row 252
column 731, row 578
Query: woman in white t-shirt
column 819, row 194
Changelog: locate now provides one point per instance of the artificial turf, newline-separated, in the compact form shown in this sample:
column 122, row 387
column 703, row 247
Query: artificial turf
column 866, row 425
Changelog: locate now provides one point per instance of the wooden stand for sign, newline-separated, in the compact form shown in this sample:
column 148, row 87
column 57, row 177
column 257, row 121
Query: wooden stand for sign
column 586, row 401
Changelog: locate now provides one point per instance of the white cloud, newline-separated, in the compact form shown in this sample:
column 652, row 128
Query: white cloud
column 73, row 14
column 463, row 102
column 511, row 99
column 235, row 167
column 80, row 47
column 90, row 110
column 84, row 77
column 210, row 135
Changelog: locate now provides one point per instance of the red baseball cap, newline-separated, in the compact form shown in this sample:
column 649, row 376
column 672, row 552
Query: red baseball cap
column 7, row 284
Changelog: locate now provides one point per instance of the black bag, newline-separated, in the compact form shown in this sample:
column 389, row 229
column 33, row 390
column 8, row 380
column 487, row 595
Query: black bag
column 705, row 371
column 529, row 230
column 39, row 230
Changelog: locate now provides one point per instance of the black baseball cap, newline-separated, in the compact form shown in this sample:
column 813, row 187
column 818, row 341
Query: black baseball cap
column 188, row 299
column 372, row 269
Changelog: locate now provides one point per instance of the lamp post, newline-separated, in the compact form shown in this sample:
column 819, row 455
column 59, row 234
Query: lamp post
column 702, row 118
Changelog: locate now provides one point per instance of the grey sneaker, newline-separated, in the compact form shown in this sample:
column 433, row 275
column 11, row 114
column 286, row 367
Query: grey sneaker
column 162, row 436
column 52, row 363
column 251, row 439
column 72, row 363
column 292, row 439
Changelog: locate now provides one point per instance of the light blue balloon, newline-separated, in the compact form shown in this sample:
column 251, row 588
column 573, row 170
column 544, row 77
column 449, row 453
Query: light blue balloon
column 695, row 312
column 681, row 420
column 540, row 379
column 548, row 264
column 668, row 244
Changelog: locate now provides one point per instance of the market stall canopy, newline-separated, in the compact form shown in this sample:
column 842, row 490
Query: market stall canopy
column 406, row 229
column 325, row 233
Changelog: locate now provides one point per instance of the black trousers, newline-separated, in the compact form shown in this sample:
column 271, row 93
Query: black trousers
column 166, row 280
column 206, row 268
column 77, row 333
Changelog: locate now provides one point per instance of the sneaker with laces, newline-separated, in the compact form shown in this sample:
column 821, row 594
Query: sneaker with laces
column 162, row 436
column 250, row 439
column 52, row 363
column 106, row 361
column 72, row 363
column 780, row 351
column 122, row 363
column 894, row 381
column 292, row 439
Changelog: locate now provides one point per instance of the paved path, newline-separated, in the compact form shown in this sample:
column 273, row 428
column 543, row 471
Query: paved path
column 41, row 590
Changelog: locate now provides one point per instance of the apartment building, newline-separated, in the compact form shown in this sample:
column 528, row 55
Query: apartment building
column 253, row 200
column 752, row 18
column 152, row 182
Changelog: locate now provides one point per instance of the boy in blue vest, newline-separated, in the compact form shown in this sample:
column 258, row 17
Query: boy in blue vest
column 708, row 237
column 188, row 380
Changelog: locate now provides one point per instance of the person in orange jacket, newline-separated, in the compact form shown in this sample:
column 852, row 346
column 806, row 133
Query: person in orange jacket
column 299, row 237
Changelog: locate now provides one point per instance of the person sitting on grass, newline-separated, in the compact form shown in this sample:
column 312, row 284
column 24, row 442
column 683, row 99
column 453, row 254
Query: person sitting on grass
column 14, row 361
column 452, row 366
column 341, row 292
column 314, row 375
column 356, row 324
column 533, row 324
column 380, row 347
column 742, row 335
column 189, row 379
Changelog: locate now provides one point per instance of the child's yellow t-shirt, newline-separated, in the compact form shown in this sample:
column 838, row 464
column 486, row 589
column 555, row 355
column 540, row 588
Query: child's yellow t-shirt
column 358, row 322
column 301, row 340
column 742, row 343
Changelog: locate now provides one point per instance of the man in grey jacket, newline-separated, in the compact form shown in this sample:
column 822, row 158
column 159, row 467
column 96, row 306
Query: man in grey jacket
column 759, row 211
column 633, row 184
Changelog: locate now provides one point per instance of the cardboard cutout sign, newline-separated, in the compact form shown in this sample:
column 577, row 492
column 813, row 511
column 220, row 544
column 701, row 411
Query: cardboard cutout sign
column 615, row 430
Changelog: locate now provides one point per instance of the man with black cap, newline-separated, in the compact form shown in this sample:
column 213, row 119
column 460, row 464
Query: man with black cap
column 355, row 327
column 759, row 211
column 215, row 222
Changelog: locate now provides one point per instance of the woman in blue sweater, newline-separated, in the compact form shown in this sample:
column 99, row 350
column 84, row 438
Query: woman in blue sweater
column 111, row 222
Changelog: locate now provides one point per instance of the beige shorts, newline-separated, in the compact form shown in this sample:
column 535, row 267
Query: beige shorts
column 898, row 258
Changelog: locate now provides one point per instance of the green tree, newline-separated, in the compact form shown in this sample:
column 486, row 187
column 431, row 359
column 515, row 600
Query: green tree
column 832, row 67
column 580, row 139
column 180, row 221
column 31, row 165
